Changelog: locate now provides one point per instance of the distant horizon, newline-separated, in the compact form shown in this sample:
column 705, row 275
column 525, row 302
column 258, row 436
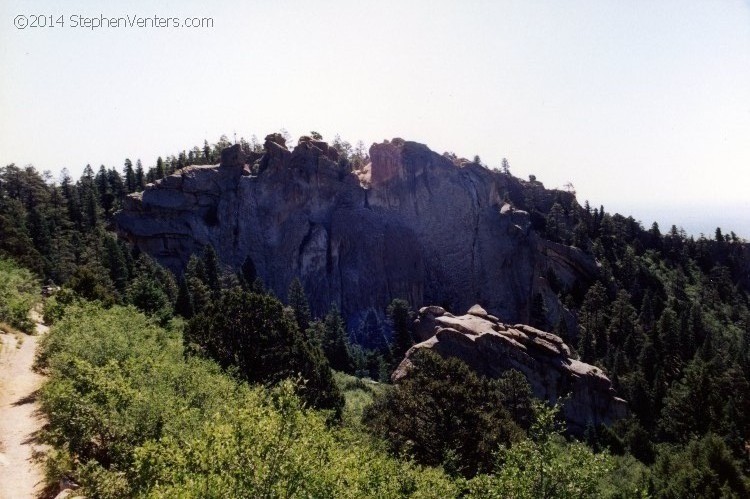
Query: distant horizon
column 694, row 220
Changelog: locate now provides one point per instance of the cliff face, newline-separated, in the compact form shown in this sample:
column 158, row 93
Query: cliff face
column 491, row 347
column 411, row 224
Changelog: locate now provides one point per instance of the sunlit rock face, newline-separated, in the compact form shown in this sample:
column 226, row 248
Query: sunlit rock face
column 491, row 348
column 411, row 224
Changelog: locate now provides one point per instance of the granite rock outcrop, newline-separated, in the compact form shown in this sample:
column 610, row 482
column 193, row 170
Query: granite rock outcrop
column 410, row 224
column 491, row 347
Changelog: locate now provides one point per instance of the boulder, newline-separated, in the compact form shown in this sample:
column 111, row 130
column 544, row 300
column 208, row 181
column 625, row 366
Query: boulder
column 491, row 348
column 478, row 311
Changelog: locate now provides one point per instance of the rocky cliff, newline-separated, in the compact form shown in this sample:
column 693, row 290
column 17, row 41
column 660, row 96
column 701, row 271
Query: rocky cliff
column 411, row 224
column 491, row 347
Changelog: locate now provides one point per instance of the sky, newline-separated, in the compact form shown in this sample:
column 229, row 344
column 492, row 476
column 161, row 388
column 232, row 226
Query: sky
column 644, row 106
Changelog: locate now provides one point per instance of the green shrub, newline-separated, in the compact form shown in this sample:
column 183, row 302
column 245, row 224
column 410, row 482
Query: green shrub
column 54, row 306
column 705, row 467
column 252, row 333
column 19, row 291
column 134, row 417
column 442, row 413
column 544, row 465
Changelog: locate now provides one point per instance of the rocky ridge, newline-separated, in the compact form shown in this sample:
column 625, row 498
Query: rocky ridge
column 491, row 347
column 411, row 224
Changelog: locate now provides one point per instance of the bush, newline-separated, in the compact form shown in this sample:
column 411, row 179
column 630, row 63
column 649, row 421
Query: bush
column 442, row 413
column 704, row 468
column 134, row 417
column 544, row 466
column 252, row 333
column 19, row 291
column 54, row 306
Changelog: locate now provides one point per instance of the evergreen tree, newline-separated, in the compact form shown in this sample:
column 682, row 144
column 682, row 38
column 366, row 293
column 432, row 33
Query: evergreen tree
column 146, row 294
column 130, row 180
column 116, row 187
column 251, row 332
column 400, row 316
column 444, row 414
column 668, row 333
column 140, row 176
column 207, row 157
column 115, row 261
column 586, row 346
column 594, row 318
column 556, row 224
column 183, row 306
column 623, row 321
column 505, row 166
column 300, row 305
column 160, row 171
column 335, row 344
column 211, row 265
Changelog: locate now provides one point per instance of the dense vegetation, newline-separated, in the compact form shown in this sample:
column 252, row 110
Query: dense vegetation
column 19, row 292
column 668, row 319
column 133, row 416
column 251, row 333
column 444, row 414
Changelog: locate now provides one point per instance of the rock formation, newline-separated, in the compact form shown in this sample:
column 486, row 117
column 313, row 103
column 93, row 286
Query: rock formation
column 490, row 348
column 411, row 224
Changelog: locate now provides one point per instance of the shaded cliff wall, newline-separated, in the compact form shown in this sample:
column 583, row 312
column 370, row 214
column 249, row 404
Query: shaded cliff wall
column 411, row 224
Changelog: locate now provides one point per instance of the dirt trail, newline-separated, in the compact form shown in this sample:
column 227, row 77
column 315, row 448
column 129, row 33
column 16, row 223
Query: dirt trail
column 21, row 475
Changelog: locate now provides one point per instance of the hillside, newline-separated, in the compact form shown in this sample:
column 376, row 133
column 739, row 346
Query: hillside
column 274, row 264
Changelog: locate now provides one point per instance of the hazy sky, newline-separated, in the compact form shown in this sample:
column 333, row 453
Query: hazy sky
column 643, row 105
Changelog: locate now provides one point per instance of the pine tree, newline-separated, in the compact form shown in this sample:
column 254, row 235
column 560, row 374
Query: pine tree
column 211, row 265
column 399, row 315
column 130, row 180
column 251, row 333
column 140, row 177
column 623, row 320
column 669, row 344
column 594, row 319
column 183, row 306
column 207, row 153
column 160, row 171
column 106, row 196
column 102, row 185
column 556, row 224
column 300, row 305
column 195, row 269
column 505, row 166
column 91, row 209
column 370, row 332
column 115, row 262
column 335, row 344
column 116, row 186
